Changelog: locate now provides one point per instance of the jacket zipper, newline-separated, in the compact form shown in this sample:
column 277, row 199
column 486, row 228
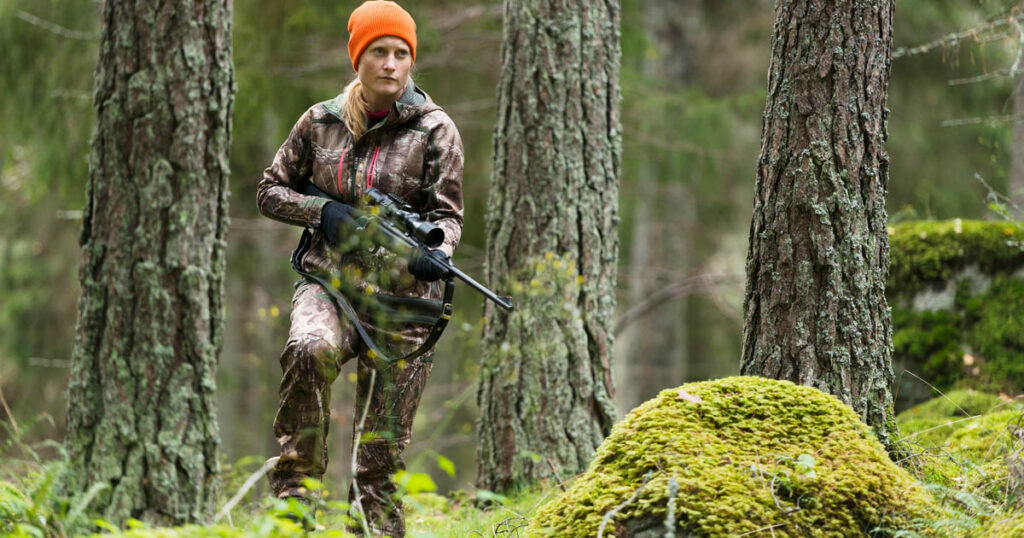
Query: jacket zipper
column 373, row 165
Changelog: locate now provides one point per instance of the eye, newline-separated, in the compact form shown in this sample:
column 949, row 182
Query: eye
column 379, row 50
column 401, row 53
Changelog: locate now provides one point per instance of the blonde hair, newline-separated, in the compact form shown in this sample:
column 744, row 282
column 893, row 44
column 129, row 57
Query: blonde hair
column 356, row 109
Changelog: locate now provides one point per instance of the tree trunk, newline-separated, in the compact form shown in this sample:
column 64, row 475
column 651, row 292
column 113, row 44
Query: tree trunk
column 545, row 390
column 1016, row 184
column 653, row 350
column 141, row 419
column 815, row 311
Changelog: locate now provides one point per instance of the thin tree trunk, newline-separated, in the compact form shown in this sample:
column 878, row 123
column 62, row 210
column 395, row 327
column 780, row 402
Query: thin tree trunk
column 141, row 417
column 1016, row 185
column 815, row 311
column 545, row 391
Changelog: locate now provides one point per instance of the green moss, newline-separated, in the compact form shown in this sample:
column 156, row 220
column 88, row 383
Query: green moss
column 957, row 403
column 979, row 340
column 996, row 332
column 924, row 252
column 1005, row 526
column 746, row 454
column 964, row 439
column 930, row 343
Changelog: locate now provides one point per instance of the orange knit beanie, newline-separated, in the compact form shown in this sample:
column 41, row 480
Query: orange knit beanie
column 378, row 18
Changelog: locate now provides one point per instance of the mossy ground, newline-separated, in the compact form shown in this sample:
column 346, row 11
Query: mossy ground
column 961, row 440
column 748, row 454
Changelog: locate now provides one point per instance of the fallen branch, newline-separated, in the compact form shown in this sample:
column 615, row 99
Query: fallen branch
column 249, row 482
column 357, row 497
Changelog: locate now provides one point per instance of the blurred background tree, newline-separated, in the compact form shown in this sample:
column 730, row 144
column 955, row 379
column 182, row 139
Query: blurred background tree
column 693, row 83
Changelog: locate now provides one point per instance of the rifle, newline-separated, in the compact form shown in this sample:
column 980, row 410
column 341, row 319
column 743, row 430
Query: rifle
column 391, row 223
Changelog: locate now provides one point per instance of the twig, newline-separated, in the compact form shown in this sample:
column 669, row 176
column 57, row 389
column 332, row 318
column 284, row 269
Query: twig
column 933, row 387
column 685, row 286
column 56, row 28
column 14, row 423
column 555, row 472
column 249, row 482
column 357, row 498
column 762, row 529
column 611, row 513
column 952, row 39
column 670, row 518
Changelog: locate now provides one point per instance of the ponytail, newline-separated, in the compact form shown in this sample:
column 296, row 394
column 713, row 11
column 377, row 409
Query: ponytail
column 356, row 109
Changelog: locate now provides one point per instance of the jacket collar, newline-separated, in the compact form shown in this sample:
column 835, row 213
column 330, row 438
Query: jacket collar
column 413, row 102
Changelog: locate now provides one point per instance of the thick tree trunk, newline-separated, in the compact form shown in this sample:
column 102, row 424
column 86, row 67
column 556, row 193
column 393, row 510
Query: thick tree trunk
column 545, row 389
column 815, row 311
column 141, row 400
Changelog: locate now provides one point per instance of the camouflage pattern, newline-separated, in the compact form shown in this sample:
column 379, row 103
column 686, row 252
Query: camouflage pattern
column 415, row 153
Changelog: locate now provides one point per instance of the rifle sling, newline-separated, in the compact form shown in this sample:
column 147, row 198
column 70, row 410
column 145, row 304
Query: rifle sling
column 394, row 305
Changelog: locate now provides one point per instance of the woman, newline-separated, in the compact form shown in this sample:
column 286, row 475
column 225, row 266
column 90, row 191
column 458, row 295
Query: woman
column 381, row 132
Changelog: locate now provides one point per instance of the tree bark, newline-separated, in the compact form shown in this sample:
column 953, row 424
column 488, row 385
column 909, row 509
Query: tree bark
column 546, row 388
column 1016, row 183
column 814, row 310
column 141, row 420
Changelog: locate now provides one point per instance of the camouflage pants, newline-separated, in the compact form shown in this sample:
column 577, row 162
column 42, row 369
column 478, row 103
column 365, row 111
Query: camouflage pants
column 319, row 342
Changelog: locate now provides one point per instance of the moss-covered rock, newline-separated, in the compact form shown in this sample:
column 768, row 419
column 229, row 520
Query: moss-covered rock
column 956, row 290
column 735, row 456
column 922, row 253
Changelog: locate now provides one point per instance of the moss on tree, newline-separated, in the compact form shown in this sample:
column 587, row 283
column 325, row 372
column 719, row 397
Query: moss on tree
column 746, row 453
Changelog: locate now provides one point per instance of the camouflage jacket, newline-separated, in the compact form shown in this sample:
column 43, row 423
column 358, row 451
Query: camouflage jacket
column 415, row 153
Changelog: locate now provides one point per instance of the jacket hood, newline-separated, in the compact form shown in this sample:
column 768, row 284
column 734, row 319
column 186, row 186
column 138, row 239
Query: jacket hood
column 414, row 103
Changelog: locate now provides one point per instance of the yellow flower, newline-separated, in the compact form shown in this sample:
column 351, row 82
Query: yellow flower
column 579, row 279
column 549, row 255
column 262, row 313
column 1007, row 231
column 275, row 311
column 535, row 283
column 352, row 377
column 335, row 282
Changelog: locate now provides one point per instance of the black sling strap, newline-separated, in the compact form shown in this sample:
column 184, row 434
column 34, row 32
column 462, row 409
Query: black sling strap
column 375, row 353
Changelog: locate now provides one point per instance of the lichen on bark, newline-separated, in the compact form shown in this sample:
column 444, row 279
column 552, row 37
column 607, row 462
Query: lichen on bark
column 141, row 423
column 814, row 309
column 557, row 155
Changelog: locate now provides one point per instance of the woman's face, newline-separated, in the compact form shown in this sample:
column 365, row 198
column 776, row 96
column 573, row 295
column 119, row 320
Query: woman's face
column 384, row 70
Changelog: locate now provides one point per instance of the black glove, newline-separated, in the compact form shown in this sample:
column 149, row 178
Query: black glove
column 422, row 268
column 335, row 219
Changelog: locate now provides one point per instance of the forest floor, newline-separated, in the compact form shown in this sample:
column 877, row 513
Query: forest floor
column 969, row 455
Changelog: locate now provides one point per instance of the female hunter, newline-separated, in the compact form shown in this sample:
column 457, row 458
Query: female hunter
column 382, row 132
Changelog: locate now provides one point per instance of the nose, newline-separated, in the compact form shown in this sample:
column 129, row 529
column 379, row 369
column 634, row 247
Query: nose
column 390, row 63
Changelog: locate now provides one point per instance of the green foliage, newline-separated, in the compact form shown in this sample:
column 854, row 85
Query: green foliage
column 748, row 454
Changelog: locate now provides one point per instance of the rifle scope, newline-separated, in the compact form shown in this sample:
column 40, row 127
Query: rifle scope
column 424, row 231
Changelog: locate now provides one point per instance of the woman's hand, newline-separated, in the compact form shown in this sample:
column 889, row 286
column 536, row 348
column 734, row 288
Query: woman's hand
column 335, row 219
column 422, row 268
